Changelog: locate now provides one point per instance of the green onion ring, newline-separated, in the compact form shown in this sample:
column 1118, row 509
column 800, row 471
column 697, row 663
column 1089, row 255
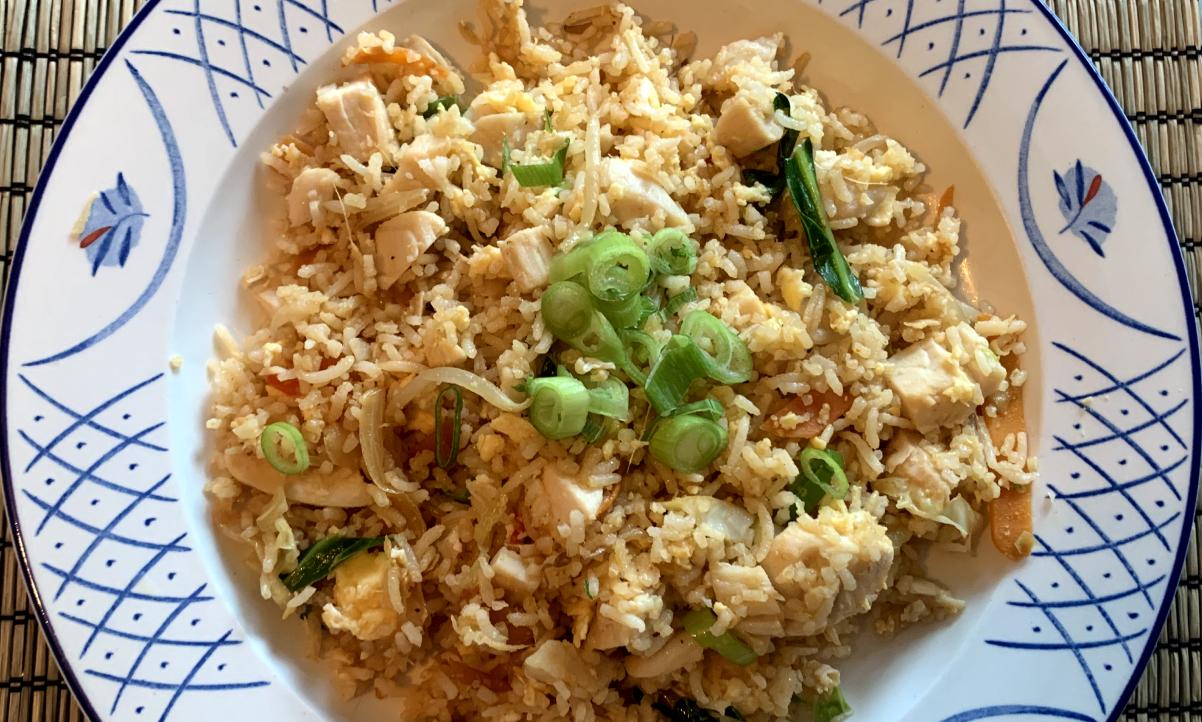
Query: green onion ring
column 269, row 442
column 559, row 406
column 729, row 361
column 445, row 461
column 689, row 443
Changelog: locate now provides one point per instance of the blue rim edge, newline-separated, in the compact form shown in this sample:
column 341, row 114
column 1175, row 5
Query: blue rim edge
column 10, row 296
column 1191, row 330
column 43, row 616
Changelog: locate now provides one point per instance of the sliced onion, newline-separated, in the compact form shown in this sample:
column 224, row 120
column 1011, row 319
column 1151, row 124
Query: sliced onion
column 468, row 381
column 371, row 438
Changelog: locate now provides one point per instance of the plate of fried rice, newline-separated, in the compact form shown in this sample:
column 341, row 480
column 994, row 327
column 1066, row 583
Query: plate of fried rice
column 662, row 361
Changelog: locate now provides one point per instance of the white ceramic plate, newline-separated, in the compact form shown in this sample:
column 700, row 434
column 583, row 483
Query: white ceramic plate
column 102, row 444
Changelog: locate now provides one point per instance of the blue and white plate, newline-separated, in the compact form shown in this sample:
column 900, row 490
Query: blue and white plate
column 146, row 214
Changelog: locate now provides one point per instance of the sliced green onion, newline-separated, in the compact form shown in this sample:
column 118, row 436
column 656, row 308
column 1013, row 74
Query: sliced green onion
column 707, row 407
column 559, row 406
column 458, row 495
column 647, row 308
column 831, row 707
column 623, row 314
column 597, row 428
column 320, row 559
column 676, row 302
column 680, row 364
column 446, row 457
column 698, row 622
column 444, row 101
column 821, row 475
column 618, row 268
column 688, row 443
column 828, row 260
column 567, row 310
column 611, row 399
column 641, row 347
column 775, row 181
column 729, row 361
column 673, row 252
column 567, row 266
column 535, row 175
column 547, row 125
column 270, row 442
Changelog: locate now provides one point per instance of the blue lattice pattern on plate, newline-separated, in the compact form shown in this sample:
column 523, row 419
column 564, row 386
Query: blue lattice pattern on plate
column 124, row 584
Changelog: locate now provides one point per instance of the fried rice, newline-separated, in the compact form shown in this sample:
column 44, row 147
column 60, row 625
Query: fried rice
column 541, row 579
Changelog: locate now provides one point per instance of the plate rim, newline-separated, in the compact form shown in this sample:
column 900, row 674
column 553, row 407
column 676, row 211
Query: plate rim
column 20, row 548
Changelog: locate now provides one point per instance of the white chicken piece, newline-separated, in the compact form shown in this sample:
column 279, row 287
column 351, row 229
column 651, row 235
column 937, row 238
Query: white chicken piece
column 745, row 589
column 743, row 128
column 356, row 114
column 400, row 240
column 560, row 665
column 421, row 163
column 604, row 633
column 637, row 197
column 909, row 458
column 528, row 256
column 489, row 130
column 361, row 605
column 938, row 389
column 342, row 488
column 565, row 494
column 513, row 573
column 722, row 518
column 828, row 568
column 680, row 651
column 308, row 195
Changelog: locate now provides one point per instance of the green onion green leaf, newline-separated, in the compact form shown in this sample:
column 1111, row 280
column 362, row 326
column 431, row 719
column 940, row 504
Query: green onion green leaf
column 447, row 450
column 708, row 407
column 675, row 303
column 828, row 260
column 673, row 252
column 535, row 175
column 688, row 443
column 559, row 406
column 270, row 442
column 679, row 364
column 821, row 475
column 775, row 181
column 320, row 559
column 727, row 359
column 445, row 101
column 611, row 399
column 698, row 622
column 831, row 707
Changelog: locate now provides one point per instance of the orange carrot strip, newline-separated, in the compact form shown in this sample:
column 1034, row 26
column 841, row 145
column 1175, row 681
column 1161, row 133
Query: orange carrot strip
column 812, row 420
column 1010, row 514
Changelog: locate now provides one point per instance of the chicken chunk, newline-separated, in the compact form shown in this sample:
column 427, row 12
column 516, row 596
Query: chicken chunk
column 513, row 573
column 342, row 488
column 489, row 130
column 356, row 114
column 310, row 191
column 566, row 494
column 422, row 163
column 401, row 239
column 680, row 651
column 743, row 128
column 909, row 458
column 560, row 665
column 635, row 197
column 721, row 518
column 361, row 605
column 528, row 255
column 747, row 590
column 828, row 568
column 938, row 388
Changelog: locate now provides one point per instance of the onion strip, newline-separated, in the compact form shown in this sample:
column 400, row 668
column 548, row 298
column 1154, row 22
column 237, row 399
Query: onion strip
column 371, row 441
column 462, row 378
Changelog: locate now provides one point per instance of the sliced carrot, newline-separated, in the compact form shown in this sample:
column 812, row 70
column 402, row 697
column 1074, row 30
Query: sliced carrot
column 946, row 200
column 412, row 62
column 809, row 408
column 288, row 387
column 1010, row 522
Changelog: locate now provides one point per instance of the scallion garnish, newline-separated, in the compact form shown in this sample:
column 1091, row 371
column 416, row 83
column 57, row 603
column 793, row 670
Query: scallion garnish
column 559, row 406
column 623, row 314
column 320, row 559
column 821, row 475
column 270, row 442
column 828, row 260
column 708, row 407
column 727, row 359
column 688, row 443
column 547, row 126
column 611, row 399
column 597, row 428
column 447, row 450
column 618, row 268
column 675, row 303
column 570, row 316
column 678, row 366
column 438, row 104
column 775, row 181
column 698, row 623
column 535, row 175
column 831, row 707
column 673, row 252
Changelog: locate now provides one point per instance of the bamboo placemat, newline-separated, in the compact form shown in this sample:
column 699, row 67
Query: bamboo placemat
column 1149, row 51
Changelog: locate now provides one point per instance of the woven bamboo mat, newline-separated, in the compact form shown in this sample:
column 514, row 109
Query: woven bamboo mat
column 1149, row 51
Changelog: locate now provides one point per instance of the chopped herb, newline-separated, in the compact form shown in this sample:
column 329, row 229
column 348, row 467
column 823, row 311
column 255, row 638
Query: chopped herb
column 547, row 126
column 447, row 450
column 828, row 260
column 445, row 101
column 535, row 175
column 831, row 707
column 821, row 476
column 320, row 559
